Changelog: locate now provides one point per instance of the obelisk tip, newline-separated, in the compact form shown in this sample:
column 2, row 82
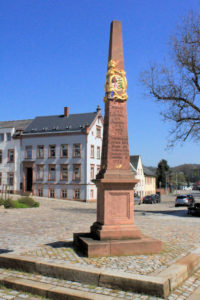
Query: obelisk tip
column 116, row 44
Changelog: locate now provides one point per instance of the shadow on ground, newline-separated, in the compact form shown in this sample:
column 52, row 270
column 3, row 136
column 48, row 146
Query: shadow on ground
column 175, row 212
column 81, row 210
column 62, row 244
column 3, row 251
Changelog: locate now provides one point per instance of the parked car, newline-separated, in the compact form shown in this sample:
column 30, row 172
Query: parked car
column 149, row 199
column 136, row 198
column 191, row 199
column 194, row 210
column 157, row 197
column 187, row 188
column 184, row 200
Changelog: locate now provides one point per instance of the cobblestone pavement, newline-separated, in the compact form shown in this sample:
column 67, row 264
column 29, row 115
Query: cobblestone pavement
column 187, row 288
column 42, row 232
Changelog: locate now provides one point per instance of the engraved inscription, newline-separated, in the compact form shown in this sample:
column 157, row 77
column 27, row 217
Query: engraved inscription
column 115, row 146
column 118, row 137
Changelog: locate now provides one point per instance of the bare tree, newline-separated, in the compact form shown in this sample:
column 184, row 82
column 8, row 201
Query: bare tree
column 178, row 86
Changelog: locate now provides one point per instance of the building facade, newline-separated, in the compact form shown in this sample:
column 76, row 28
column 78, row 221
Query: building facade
column 137, row 167
column 59, row 156
column 10, row 164
column 150, row 182
column 147, row 180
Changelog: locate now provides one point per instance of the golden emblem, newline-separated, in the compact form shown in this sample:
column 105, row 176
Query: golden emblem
column 116, row 84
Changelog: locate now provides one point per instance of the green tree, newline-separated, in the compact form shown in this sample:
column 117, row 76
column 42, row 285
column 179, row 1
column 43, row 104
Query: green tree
column 178, row 178
column 176, row 84
column 162, row 173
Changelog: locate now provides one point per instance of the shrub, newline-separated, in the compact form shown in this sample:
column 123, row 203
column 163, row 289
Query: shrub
column 27, row 201
column 1, row 201
column 9, row 203
column 36, row 204
column 20, row 203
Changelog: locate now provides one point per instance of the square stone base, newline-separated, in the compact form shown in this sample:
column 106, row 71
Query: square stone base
column 94, row 248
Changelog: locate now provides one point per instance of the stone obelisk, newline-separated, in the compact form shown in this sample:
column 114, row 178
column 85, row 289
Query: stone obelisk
column 114, row 232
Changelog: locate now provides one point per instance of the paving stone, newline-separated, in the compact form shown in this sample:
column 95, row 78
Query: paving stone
column 39, row 232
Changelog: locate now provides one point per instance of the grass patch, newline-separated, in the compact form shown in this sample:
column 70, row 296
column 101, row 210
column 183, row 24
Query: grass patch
column 23, row 202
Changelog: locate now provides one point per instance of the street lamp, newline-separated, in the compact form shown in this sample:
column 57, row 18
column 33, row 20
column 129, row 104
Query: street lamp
column 166, row 177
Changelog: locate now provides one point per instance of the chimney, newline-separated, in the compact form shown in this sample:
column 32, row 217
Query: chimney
column 66, row 111
column 87, row 128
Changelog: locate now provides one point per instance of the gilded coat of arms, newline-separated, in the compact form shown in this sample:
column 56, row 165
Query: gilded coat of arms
column 116, row 84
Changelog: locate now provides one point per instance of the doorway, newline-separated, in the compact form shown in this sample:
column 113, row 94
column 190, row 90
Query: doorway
column 29, row 179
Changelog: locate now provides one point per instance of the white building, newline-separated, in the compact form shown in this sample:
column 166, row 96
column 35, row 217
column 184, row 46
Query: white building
column 137, row 168
column 59, row 156
column 10, row 155
column 147, row 180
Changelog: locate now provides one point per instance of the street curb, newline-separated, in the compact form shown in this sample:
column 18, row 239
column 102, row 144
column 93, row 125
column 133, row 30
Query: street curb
column 151, row 285
column 160, row 285
column 50, row 291
column 182, row 269
column 195, row 295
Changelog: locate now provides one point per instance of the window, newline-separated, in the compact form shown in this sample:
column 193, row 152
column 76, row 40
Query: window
column 0, row 178
column 40, row 151
column 64, row 194
column 52, row 151
column 64, row 151
column 92, row 151
column 11, row 155
column 10, row 178
column 91, row 172
column 92, row 194
column 77, row 193
column 52, row 193
column 40, row 192
column 8, row 136
column 77, row 150
column 64, row 172
column 28, row 152
column 1, row 137
column 40, row 172
column 98, row 152
column 52, row 172
column 98, row 131
column 98, row 168
column 76, row 172
column 1, row 156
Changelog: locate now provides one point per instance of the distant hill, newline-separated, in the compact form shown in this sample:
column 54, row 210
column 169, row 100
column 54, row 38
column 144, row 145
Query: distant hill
column 191, row 171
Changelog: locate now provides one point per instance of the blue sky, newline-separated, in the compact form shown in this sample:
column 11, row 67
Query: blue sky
column 54, row 54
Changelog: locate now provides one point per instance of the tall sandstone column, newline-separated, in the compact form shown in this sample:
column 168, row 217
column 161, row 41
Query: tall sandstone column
column 114, row 232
